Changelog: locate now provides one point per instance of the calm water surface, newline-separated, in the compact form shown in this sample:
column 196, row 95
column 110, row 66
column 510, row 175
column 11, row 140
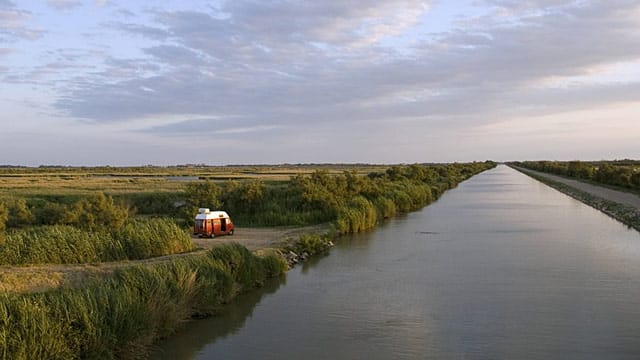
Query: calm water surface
column 500, row 267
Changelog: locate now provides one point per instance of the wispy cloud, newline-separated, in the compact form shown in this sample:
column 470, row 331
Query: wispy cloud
column 13, row 24
column 64, row 4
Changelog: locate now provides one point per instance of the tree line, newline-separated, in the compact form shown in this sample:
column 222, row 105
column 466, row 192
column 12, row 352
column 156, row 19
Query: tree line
column 624, row 174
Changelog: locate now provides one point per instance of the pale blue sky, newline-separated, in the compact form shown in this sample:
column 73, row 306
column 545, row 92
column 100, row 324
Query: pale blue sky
column 396, row 81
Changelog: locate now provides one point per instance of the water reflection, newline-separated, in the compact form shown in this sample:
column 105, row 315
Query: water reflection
column 189, row 342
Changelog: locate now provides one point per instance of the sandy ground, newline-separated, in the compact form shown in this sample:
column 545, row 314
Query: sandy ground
column 259, row 238
column 39, row 278
column 620, row 197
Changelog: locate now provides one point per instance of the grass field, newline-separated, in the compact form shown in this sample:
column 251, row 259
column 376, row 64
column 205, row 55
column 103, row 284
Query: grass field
column 22, row 181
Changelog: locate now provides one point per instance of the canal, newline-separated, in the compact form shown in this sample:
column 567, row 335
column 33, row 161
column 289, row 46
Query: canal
column 501, row 267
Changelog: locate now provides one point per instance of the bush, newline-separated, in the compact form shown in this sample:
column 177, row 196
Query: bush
column 4, row 216
column 312, row 244
column 96, row 212
column 359, row 214
column 200, row 195
column 50, row 213
column 19, row 213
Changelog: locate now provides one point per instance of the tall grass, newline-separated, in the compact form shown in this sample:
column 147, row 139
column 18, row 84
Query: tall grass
column 122, row 316
column 63, row 244
column 146, row 238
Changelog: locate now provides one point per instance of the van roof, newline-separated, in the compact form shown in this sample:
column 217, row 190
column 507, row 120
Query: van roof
column 212, row 215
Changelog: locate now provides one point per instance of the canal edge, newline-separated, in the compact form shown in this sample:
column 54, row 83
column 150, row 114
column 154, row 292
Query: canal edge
column 623, row 213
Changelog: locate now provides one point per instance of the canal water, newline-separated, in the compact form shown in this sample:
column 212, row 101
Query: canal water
column 502, row 267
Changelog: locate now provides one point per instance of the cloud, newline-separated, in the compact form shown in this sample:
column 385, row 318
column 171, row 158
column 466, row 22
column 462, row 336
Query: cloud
column 208, row 127
column 331, row 22
column 13, row 24
column 64, row 4
column 143, row 30
column 318, row 64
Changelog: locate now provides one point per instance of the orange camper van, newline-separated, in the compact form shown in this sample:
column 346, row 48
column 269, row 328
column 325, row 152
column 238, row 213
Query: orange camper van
column 212, row 223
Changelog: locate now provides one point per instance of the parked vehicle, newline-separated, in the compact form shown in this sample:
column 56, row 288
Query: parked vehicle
column 212, row 223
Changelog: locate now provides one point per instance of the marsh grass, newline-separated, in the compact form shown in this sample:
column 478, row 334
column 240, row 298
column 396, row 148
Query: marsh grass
column 122, row 316
column 63, row 244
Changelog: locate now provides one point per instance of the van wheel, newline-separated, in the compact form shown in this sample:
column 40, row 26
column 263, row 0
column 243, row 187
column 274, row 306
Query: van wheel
column 231, row 232
column 212, row 235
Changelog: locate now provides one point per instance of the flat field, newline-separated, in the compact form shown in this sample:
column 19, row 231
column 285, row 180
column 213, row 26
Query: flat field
column 25, row 182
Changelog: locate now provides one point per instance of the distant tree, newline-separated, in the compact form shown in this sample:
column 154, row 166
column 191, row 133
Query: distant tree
column 252, row 195
column 635, row 180
column 574, row 168
column 201, row 195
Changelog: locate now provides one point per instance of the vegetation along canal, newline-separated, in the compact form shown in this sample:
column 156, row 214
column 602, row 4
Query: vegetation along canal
column 500, row 267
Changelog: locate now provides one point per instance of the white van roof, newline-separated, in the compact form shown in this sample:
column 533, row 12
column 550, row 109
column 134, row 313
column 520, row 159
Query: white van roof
column 211, row 215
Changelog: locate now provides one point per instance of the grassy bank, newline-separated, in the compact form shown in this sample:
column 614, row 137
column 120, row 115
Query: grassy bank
column 625, row 214
column 122, row 316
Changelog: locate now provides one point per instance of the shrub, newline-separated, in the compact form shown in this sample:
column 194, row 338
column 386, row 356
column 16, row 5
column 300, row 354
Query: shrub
column 312, row 244
column 4, row 216
column 19, row 213
column 97, row 211
column 359, row 214
column 49, row 213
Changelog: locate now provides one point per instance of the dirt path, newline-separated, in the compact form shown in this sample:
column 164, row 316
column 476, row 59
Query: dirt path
column 259, row 238
column 38, row 278
column 620, row 197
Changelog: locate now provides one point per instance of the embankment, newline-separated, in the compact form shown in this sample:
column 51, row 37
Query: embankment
column 608, row 201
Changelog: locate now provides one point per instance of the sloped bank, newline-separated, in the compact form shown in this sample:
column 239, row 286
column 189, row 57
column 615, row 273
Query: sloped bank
column 626, row 214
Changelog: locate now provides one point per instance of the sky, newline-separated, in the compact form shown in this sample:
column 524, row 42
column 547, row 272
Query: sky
column 115, row 82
